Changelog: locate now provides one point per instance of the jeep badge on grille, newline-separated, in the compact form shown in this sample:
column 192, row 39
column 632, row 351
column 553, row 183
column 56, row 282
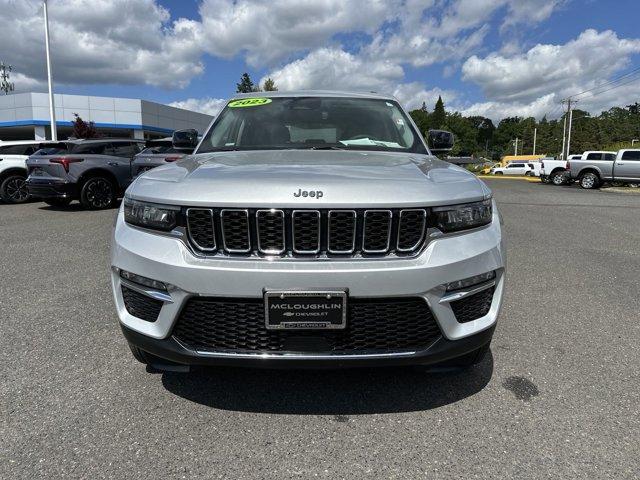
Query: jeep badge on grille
column 308, row 193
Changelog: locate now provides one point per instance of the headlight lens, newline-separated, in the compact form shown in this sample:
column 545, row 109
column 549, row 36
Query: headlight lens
column 150, row 215
column 463, row 217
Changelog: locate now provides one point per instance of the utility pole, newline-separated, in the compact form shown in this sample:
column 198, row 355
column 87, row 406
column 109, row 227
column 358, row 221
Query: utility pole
column 569, row 103
column 535, row 134
column 515, row 143
column 564, row 137
column 5, row 85
column 52, row 107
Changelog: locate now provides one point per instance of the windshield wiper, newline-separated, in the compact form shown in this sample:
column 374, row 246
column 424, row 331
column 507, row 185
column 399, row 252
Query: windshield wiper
column 326, row 147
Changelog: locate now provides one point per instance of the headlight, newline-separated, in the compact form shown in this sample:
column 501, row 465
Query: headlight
column 150, row 215
column 463, row 217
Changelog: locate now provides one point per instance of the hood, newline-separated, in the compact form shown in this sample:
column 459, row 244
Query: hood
column 286, row 178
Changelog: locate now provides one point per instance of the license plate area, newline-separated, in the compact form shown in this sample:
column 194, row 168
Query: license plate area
column 305, row 310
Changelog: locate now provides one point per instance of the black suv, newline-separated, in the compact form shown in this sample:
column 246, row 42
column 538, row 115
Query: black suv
column 96, row 172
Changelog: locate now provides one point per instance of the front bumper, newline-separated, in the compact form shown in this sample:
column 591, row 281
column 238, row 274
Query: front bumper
column 47, row 188
column 445, row 259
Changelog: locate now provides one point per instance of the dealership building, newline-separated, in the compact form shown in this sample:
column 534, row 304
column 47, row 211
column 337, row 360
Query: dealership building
column 25, row 116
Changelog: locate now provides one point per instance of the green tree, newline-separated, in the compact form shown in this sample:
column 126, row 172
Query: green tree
column 269, row 85
column 438, row 116
column 245, row 85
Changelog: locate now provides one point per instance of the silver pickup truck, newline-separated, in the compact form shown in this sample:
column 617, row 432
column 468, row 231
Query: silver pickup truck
column 595, row 168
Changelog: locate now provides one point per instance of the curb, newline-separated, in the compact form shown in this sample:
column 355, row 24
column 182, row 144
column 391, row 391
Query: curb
column 504, row 177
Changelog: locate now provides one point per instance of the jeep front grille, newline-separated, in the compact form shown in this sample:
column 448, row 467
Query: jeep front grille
column 374, row 325
column 306, row 233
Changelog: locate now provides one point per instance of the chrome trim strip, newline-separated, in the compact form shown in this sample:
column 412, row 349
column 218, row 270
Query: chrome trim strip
column 155, row 294
column 297, row 356
column 224, row 243
column 353, row 233
column 364, row 229
column 213, row 230
column 271, row 251
column 424, row 228
column 293, row 230
column 451, row 297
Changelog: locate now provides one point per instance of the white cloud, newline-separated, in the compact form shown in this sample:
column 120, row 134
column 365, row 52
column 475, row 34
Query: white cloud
column 270, row 31
column 564, row 69
column 335, row 69
column 208, row 105
column 533, row 83
column 101, row 41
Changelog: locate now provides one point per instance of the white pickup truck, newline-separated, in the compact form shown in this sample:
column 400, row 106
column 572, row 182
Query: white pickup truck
column 555, row 171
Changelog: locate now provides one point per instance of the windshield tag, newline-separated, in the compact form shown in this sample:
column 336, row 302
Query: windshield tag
column 249, row 102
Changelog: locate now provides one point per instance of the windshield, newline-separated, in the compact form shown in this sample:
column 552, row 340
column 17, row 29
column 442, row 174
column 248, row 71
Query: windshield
column 312, row 123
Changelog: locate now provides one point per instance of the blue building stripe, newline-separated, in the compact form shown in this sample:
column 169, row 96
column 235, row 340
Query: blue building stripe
column 61, row 123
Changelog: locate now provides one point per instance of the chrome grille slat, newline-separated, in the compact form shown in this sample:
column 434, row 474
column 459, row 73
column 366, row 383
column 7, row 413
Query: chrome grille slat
column 376, row 231
column 270, row 228
column 306, row 237
column 412, row 225
column 338, row 237
column 236, row 237
column 306, row 232
column 201, row 229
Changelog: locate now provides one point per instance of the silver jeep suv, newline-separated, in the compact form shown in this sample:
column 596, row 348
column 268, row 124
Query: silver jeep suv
column 308, row 229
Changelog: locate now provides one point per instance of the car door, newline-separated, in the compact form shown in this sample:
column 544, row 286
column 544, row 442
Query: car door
column 120, row 155
column 515, row 169
column 627, row 167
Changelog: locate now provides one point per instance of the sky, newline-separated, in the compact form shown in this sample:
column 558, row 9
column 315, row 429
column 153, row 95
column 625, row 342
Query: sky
column 495, row 58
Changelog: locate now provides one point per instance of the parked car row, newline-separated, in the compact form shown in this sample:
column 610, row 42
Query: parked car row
column 95, row 171
column 593, row 168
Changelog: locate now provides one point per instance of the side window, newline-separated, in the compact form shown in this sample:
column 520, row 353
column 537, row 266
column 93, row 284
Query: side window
column 90, row 149
column 121, row 149
column 30, row 150
column 631, row 155
column 610, row 156
column 594, row 156
column 16, row 150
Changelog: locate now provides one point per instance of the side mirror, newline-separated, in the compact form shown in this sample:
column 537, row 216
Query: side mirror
column 440, row 140
column 185, row 139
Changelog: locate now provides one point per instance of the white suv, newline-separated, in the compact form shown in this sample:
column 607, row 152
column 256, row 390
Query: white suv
column 13, row 169
column 308, row 229
column 514, row 168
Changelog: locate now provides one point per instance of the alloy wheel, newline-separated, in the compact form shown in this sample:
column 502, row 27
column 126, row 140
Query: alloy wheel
column 16, row 190
column 99, row 193
column 588, row 181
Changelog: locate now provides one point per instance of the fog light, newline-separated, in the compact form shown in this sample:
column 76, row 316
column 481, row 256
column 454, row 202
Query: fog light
column 140, row 280
column 468, row 282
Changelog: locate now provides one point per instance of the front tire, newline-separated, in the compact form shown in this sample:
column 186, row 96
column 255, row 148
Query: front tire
column 499, row 173
column 589, row 181
column 98, row 193
column 13, row 189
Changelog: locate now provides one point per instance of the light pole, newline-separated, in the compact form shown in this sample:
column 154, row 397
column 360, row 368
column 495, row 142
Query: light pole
column 535, row 135
column 52, row 107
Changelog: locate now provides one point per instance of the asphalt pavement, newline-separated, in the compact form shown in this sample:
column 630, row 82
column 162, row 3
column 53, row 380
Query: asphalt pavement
column 559, row 396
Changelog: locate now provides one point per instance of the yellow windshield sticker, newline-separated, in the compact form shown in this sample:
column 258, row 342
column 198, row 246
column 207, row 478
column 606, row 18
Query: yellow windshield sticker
column 249, row 102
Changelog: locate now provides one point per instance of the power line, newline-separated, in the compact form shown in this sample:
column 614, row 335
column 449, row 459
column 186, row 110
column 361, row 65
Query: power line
column 614, row 87
column 633, row 72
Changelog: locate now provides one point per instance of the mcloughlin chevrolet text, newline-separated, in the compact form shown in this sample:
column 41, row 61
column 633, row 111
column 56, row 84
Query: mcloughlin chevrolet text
column 308, row 229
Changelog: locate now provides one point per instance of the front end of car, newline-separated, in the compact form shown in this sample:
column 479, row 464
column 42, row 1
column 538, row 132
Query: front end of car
column 307, row 286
